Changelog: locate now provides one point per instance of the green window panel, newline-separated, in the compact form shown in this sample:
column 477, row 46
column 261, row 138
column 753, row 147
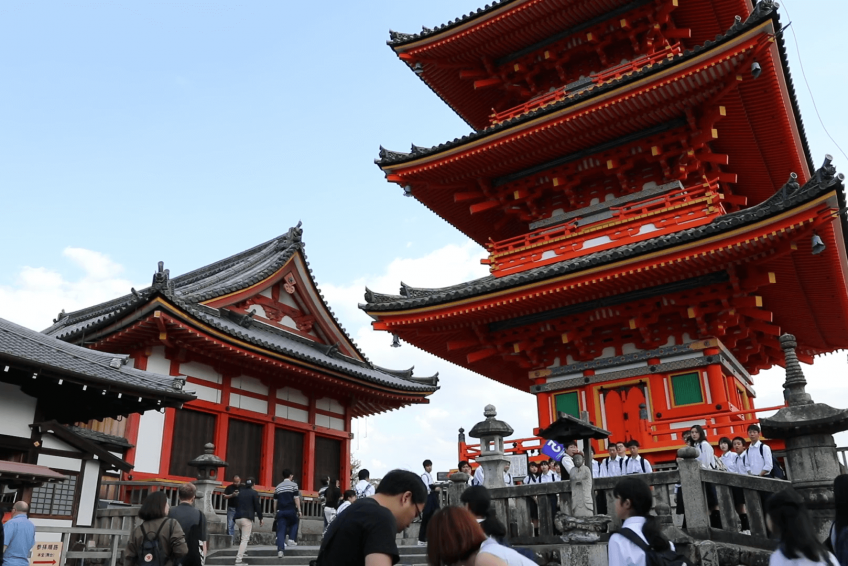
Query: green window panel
column 568, row 403
column 686, row 388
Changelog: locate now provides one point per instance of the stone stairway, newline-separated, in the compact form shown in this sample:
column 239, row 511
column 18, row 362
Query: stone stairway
column 267, row 556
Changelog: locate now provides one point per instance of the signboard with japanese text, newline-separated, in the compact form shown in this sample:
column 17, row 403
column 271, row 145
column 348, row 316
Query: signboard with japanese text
column 46, row 554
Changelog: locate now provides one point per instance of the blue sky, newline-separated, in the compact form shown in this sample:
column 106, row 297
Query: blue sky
column 186, row 131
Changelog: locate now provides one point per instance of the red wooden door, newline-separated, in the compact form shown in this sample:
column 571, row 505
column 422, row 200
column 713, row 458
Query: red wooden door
column 614, row 410
column 632, row 398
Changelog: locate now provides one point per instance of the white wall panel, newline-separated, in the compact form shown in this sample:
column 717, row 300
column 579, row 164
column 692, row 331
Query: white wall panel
column 88, row 493
column 59, row 463
column 18, row 410
column 322, row 420
column 50, row 537
column 247, row 383
column 148, row 448
column 157, row 362
column 337, row 424
column 201, row 371
column 298, row 415
column 50, row 441
column 249, row 403
column 205, row 393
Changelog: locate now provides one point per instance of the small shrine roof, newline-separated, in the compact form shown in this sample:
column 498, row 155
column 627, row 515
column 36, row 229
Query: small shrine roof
column 390, row 159
column 412, row 297
column 100, row 437
column 568, row 427
column 236, row 273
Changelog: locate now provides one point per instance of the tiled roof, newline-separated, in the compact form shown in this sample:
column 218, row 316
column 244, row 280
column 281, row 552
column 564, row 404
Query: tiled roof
column 399, row 38
column 787, row 197
column 100, row 437
column 764, row 10
column 228, row 276
column 24, row 345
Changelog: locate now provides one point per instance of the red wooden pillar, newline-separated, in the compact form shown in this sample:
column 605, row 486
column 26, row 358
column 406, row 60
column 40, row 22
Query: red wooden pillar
column 543, row 404
column 718, row 392
column 266, row 469
column 309, row 450
column 131, row 432
column 167, row 441
column 221, row 434
column 344, row 478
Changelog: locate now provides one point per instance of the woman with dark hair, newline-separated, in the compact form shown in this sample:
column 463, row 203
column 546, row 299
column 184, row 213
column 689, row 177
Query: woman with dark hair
column 465, row 468
column 156, row 525
column 454, row 537
column 733, row 464
column 788, row 518
column 633, row 501
column 839, row 531
column 706, row 457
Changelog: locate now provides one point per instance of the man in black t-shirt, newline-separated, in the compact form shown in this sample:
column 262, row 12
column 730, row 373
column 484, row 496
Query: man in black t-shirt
column 230, row 494
column 367, row 529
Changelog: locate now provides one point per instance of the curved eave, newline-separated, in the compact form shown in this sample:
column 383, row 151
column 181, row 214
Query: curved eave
column 749, row 134
column 508, row 27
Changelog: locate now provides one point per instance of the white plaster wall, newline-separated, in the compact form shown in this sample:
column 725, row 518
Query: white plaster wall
column 247, row 383
column 249, row 403
column 266, row 293
column 322, row 420
column 50, row 537
column 337, row 424
column 148, row 449
column 292, row 395
column 60, row 462
column 201, row 371
column 157, row 362
column 289, row 322
column 205, row 393
column 18, row 410
column 286, row 412
column 287, row 299
column 327, row 404
column 88, row 493
column 50, row 441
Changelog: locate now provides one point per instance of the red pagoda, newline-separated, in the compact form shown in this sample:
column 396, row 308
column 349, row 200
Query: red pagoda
column 640, row 176
column 277, row 378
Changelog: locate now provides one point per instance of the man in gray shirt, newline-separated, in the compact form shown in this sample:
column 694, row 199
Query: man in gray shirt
column 193, row 522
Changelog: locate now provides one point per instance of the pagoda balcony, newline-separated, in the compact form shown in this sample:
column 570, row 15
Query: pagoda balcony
column 595, row 79
column 608, row 225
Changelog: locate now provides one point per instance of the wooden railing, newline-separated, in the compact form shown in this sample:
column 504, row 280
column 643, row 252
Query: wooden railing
column 82, row 543
column 512, row 504
column 134, row 492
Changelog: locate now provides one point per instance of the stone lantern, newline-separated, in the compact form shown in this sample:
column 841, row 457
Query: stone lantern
column 207, row 465
column 491, row 433
column 808, row 429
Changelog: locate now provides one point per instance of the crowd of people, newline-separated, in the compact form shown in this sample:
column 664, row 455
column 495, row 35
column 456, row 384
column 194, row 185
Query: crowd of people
column 361, row 524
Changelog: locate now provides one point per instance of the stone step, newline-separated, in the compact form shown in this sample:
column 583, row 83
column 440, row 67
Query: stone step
column 299, row 550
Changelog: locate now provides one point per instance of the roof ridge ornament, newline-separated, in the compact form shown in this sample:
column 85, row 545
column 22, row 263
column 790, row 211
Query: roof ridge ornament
column 390, row 155
column 60, row 316
column 161, row 278
column 762, row 9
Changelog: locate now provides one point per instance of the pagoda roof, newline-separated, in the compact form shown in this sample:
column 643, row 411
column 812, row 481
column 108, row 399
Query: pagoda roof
column 765, row 10
column 415, row 297
column 188, row 297
column 502, row 29
column 31, row 352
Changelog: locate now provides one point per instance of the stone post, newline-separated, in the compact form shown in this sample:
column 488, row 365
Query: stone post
column 695, row 508
column 459, row 481
column 808, row 428
column 207, row 466
column 491, row 433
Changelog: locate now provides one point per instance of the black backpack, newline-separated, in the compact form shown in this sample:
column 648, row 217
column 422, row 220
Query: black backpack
column 653, row 557
column 151, row 553
column 776, row 471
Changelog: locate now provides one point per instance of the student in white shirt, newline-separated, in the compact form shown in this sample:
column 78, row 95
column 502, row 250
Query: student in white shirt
column 758, row 460
column 610, row 467
column 478, row 476
column 636, row 464
column 507, row 476
column 348, row 498
column 432, row 504
column 633, row 500
column 733, row 463
column 567, row 461
column 548, row 476
column 465, row 468
column 364, row 488
column 706, row 457
column 788, row 518
column 596, row 469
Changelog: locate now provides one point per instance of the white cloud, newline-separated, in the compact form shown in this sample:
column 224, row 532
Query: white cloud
column 37, row 294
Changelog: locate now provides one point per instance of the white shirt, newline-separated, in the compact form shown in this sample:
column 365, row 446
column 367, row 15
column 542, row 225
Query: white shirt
column 705, row 458
column 508, row 479
column 364, row 489
column 622, row 552
column 754, row 463
column 634, row 465
column 478, row 476
column 567, row 464
column 508, row 555
column 731, row 462
column 549, row 477
column 610, row 467
column 779, row 559
column 343, row 506
column 427, row 479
